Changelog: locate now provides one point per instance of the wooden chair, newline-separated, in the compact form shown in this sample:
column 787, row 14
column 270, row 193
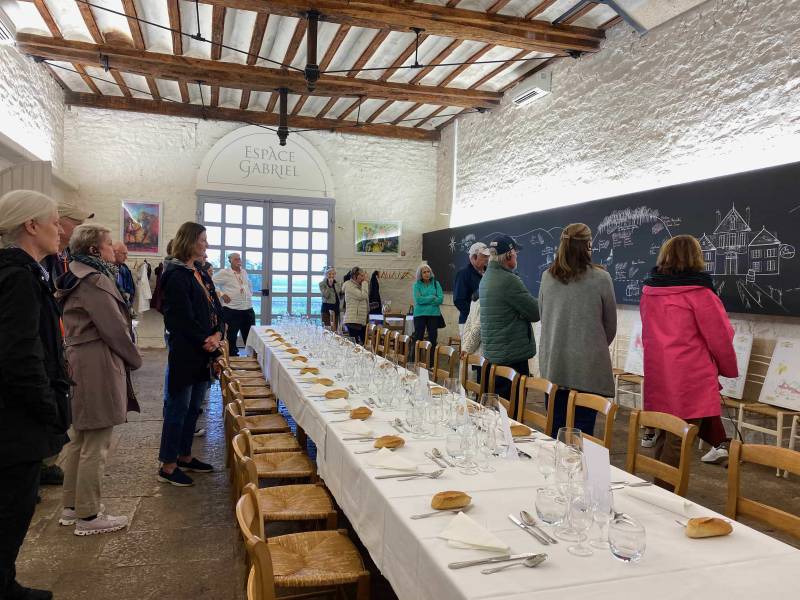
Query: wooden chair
column 782, row 459
column 422, row 352
column 602, row 405
column 369, row 336
column 234, row 423
column 455, row 342
column 325, row 561
column 395, row 322
column 474, row 387
column 544, row 421
column 272, row 423
column 256, row 402
column 510, row 375
column 444, row 355
column 678, row 477
column 390, row 343
column 234, row 360
column 272, row 465
column 380, row 341
column 401, row 349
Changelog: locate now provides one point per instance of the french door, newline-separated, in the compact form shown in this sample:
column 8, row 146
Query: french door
column 285, row 246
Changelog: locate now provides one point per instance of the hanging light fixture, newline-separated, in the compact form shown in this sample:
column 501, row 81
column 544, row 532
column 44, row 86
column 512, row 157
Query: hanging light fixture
column 312, row 68
column 283, row 118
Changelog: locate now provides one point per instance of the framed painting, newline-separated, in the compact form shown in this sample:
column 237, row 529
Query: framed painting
column 140, row 227
column 378, row 238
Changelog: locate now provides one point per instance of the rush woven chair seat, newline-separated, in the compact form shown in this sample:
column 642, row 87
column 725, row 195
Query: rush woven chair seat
column 273, row 465
column 263, row 424
column 252, row 400
column 275, row 442
column 234, row 424
column 298, row 561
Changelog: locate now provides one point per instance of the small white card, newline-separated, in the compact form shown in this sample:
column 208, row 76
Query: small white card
column 505, row 423
column 598, row 466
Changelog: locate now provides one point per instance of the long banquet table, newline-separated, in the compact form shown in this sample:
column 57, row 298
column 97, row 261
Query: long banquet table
column 414, row 559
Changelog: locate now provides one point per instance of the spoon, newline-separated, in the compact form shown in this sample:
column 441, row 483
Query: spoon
column 532, row 562
column 531, row 522
column 399, row 423
column 438, row 454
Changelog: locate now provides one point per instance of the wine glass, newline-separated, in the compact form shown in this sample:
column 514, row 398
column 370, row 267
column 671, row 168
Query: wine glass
column 580, row 517
column 546, row 462
column 626, row 539
column 452, row 445
column 602, row 513
column 469, row 447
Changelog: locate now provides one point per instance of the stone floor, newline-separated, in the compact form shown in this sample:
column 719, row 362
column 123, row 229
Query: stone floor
column 182, row 542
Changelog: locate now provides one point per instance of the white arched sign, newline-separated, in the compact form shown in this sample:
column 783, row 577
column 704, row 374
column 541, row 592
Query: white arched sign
column 250, row 159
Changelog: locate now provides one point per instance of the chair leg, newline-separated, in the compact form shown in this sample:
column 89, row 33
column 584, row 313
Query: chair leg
column 332, row 521
column 362, row 588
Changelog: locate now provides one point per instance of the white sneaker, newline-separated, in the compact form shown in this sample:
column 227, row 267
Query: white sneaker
column 716, row 455
column 100, row 524
column 70, row 517
column 649, row 438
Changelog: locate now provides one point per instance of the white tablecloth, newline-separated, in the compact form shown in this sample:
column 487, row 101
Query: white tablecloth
column 414, row 560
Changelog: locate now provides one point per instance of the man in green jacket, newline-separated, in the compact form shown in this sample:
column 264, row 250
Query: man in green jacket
column 507, row 311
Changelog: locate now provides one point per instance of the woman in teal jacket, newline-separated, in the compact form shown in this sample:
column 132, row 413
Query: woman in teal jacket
column 428, row 296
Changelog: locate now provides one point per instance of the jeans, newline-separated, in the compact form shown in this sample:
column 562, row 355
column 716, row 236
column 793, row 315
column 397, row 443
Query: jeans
column 181, row 411
column 237, row 320
column 19, row 485
column 584, row 417
column 420, row 325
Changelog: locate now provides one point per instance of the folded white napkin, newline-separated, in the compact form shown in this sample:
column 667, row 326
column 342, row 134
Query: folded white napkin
column 386, row 459
column 308, row 377
column 464, row 532
column 298, row 365
column 356, row 427
column 336, row 403
column 668, row 502
column 321, row 390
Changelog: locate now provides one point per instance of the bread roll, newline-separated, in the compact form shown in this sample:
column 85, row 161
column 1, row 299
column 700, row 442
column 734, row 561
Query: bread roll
column 338, row 393
column 703, row 527
column 299, row 358
column 520, row 430
column 389, row 441
column 312, row 370
column 361, row 412
column 293, row 351
column 324, row 381
column 438, row 390
column 450, row 500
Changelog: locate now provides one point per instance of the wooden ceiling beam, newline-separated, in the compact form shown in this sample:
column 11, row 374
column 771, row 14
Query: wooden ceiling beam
column 441, row 126
column 214, row 96
column 539, row 9
column 437, row 60
column 244, row 103
column 121, row 83
column 237, row 76
column 327, row 108
column 496, row 71
column 48, row 19
column 91, row 23
column 247, row 116
column 86, row 79
column 403, row 57
column 588, row 7
column 368, row 52
column 405, row 114
column 497, row 7
column 455, row 23
column 611, row 23
column 429, row 117
column 330, row 53
column 378, row 111
column 217, row 31
column 174, row 10
column 460, row 69
column 291, row 52
column 151, row 83
column 184, row 89
column 129, row 8
column 259, row 28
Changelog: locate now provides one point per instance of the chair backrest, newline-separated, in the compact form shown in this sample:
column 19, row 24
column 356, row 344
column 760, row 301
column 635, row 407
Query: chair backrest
column 770, row 456
column 677, row 476
column 601, row 405
column 509, row 374
column 543, row 421
column 401, row 349
column 474, row 387
column 444, row 355
column 390, row 343
column 369, row 336
column 248, row 515
column 380, row 341
column 422, row 352
column 760, row 359
column 395, row 321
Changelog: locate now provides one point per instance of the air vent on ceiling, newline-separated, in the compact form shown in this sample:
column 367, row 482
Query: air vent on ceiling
column 534, row 87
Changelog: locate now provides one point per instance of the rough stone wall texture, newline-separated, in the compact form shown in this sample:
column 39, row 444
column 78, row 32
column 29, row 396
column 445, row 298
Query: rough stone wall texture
column 117, row 156
column 710, row 92
column 31, row 106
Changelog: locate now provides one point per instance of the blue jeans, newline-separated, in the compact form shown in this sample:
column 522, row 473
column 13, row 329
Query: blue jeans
column 181, row 411
column 584, row 417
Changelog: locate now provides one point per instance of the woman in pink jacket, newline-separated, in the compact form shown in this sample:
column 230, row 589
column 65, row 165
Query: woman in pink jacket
column 688, row 344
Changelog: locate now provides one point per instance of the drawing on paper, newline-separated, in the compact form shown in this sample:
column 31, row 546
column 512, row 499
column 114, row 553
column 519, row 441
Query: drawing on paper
column 782, row 383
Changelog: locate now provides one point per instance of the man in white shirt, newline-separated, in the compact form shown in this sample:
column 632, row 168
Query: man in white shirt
column 233, row 287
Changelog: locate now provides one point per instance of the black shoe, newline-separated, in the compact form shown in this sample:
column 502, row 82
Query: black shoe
column 177, row 478
column 196, row 466
column 52, row 475
column 17, row 592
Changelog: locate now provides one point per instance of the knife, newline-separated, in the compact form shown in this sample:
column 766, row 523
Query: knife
column 524, row 527
column 488, row 561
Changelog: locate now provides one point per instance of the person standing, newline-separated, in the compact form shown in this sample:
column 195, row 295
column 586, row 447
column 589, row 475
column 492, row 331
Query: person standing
column 507, row 311
column 100, row 352
column 579, row 321
column 233, row 287
column 688, row 344
column 34, row 385
column 195, row 332
column 428, row 297
column 356, row 299
column 124, row 277
column 467, row 281
column 330, row 290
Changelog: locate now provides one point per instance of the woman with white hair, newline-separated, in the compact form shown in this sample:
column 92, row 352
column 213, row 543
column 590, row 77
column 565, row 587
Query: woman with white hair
column 34, row 386
column 330, row 290
column 101, row 352
column 428, row 297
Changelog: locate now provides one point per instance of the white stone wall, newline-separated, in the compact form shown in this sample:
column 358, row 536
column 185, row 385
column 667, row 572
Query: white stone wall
column 116, row 156
column 31, row 106
column 711, row 92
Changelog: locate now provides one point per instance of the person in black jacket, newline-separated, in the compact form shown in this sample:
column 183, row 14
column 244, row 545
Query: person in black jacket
column 193, row 318
column 34, row 385
column 467, row 281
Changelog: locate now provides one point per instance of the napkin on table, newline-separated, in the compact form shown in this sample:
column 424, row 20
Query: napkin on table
column 668, row 502
column 321, row 390
column 386, row 459
column 336, row 403
column 356, row 427
column 464, row 532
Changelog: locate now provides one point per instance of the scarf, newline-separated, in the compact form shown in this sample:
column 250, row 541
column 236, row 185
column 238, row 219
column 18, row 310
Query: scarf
column 656, row 279
column 98, row 264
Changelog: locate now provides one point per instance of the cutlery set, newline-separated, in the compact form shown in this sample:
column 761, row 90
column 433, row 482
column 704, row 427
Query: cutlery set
column 528, row 559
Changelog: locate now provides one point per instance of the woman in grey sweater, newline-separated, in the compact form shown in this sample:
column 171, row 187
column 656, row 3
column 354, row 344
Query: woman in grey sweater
column 579, row 321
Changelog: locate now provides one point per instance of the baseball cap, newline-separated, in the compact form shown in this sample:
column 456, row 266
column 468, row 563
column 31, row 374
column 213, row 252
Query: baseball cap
column 70, row 210
column 503, row 244
column 479, row 248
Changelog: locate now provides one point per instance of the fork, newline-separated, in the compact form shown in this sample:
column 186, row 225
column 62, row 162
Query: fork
column 434, row 475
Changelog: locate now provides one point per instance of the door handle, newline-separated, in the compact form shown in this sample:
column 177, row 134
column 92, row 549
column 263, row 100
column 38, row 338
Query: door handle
column 265, row 292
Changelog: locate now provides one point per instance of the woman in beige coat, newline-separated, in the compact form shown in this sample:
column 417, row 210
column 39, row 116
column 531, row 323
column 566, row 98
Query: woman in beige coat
column 356, row 300
column 100, row 349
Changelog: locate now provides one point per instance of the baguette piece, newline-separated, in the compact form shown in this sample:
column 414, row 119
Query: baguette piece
column 327, row 381
column 361, row 412
column 450, row 500
column 312, row 370
column 338, row 393
column 389, row 441
column 299, row 358
column 520, row 430
column 293, row 351
column 703, row 527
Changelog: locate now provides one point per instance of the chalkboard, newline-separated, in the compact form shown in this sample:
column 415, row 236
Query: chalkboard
column 748, row 225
